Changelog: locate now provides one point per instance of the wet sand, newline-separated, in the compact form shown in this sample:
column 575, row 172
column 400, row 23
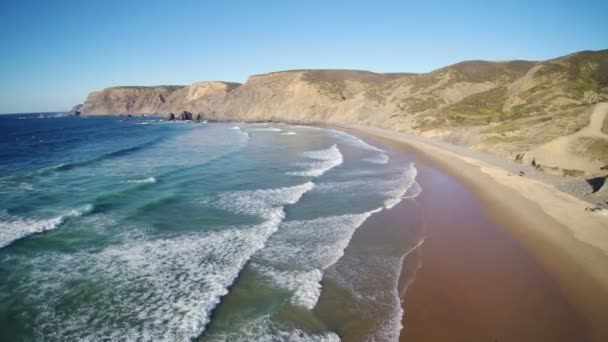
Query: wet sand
column 476, row 282
column 483, row 275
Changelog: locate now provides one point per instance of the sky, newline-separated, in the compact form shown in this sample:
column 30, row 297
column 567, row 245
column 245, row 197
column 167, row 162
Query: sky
column 53, row 52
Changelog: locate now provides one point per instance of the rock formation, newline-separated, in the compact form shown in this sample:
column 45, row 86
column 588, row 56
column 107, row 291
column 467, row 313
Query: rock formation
column 185, row 116
column 76, row 110
column 506, row 108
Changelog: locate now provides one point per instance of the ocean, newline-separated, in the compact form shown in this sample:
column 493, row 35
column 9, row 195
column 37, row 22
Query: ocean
column 146, row 230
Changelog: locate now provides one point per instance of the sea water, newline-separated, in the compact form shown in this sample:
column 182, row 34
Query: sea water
column 146, row 230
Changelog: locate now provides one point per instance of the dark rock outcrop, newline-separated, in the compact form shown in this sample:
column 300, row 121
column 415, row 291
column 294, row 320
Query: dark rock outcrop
column 185, row 116
column 170, row 117
column 76, row 110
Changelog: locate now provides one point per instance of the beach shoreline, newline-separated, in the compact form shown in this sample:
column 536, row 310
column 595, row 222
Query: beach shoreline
column 567, row 243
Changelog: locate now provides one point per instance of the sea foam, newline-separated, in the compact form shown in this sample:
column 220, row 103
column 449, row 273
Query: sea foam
column 380, row 158
column 268, row 129
column 297, row 254
column 13, row 228
column 265, row 329
column 394, row 189
column 260, row 202
column 354, row 141
column 324, row 160
column 408, row 187
column 162, row 289
column 145, row 180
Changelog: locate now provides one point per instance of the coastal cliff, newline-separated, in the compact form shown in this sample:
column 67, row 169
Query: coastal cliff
column 515, row 109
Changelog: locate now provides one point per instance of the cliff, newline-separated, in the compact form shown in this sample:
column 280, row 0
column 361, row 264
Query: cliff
column 507, row 108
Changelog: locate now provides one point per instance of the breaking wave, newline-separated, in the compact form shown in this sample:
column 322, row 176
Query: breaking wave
column 13, row 228
column 162, row 289
column 268, row 129
column 265, row 329
column 145, row 180
column 296, row 256
column 381, row 158
column 325, row 160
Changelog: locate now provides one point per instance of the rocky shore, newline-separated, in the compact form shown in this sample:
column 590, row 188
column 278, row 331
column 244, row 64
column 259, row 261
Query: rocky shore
column 527, row 111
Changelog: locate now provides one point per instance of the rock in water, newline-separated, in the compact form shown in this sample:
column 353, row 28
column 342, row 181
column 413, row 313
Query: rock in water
column 77, row 110
column 185, row 115
column 171, row 117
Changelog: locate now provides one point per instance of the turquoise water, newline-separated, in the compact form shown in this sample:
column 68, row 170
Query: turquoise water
column 152, row 231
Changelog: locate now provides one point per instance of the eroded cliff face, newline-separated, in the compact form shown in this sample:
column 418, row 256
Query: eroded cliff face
column 128, row 100
column 198, row 98
column 503, row 107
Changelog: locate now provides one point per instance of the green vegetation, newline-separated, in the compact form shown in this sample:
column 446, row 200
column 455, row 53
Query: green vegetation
column 573, row 173
column 482, row 71
column 332, row 89
column 500, row 139
column 550, row 69
column 522, row 111
column 515, row 125
column 587, row 71
column 424, row 81
column 480, row 108
column 416, row 105
column 429, row 123
column 535, row 91
column 376, row 92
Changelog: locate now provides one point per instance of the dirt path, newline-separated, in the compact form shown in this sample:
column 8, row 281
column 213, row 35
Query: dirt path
column 564, row 152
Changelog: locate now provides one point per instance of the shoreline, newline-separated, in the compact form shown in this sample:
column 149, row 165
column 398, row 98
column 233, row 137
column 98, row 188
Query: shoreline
column 566, row 241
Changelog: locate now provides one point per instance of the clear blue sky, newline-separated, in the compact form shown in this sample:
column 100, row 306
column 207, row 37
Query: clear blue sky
column 52, row 53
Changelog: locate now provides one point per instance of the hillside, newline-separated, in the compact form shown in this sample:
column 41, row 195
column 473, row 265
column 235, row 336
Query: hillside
column 508, row 108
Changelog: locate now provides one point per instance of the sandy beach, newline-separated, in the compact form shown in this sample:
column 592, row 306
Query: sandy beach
column 508, row 258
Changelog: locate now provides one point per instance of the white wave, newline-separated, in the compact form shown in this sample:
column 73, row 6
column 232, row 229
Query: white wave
column 394, row 187
column 44, row 116
column 381, row 158
column 26, row 186
column 160, row 289
column 260, row 202
column 264, row 329
column 155, row 289
column 146, row 180
column 269, row 129
column 289, row 133
column 326, row 160
column 296, row 256
column 408, row 188
column 390, row 329
column 13, row 228
column 387, row 316
column 355, row 141
column 236, row 128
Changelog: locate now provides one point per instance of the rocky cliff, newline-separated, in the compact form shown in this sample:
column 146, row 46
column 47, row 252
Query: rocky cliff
column 507, row 108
